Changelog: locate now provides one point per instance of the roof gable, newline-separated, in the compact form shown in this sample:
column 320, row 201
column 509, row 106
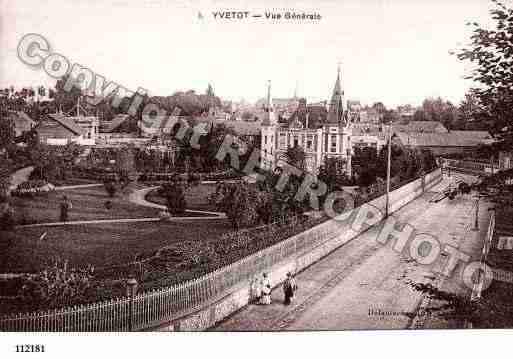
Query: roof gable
column 67, row 122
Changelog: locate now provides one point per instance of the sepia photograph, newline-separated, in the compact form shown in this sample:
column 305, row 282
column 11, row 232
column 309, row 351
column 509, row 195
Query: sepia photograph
column 268, row 166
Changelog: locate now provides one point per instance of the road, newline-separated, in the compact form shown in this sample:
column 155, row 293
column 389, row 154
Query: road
column 348, row 288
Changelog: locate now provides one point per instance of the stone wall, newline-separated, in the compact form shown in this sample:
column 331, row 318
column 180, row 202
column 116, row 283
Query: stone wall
column 327, row 237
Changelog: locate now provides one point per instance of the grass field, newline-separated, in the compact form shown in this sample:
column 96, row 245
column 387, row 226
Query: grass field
column 102, row 245
column 88, row 204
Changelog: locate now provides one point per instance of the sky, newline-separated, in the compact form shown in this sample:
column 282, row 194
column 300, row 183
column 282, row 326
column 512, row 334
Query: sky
column 393, row 51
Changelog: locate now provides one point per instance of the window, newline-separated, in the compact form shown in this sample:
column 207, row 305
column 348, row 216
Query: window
column 265, row 140
column 282, row 141
column 309, row 142
column 296, row 141
column 333, row 146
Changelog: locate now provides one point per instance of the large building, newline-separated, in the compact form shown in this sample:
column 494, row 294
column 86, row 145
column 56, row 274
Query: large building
column 58, row 129
column 443, row 143
column 320, row 132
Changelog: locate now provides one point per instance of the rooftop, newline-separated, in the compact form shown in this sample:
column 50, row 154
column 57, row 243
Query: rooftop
column 67, row 122
column 449, row 139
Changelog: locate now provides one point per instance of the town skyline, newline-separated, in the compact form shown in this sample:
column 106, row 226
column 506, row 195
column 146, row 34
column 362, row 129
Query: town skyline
column 391, row 52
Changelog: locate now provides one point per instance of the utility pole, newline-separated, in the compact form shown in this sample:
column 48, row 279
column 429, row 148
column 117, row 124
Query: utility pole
column 476, row 221
column 387, row 208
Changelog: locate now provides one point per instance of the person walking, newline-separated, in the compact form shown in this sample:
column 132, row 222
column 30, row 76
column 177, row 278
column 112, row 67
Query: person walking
column 266, row 290
column 65, row 208
column 256, row 290
column 289, row 289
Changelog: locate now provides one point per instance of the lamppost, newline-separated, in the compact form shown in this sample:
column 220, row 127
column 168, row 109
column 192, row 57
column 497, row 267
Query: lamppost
column 387, row 206
column 131, row 291
column 476, row 224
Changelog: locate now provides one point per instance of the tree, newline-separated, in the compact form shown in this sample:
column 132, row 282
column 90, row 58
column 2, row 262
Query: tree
column 6, row 131
column 125, row 164
column 491, row 54
column 439, row 110
column 6, row 215
column 174, row 193
column 333, row 173
column 111, row 188
column 57, row 286
column 240, row 203
column 365, row 165
column 295, row 156
column 484, row 313
column 246, row 115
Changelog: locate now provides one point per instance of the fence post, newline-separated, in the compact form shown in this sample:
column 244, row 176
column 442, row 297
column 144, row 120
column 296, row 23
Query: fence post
column 131, row 292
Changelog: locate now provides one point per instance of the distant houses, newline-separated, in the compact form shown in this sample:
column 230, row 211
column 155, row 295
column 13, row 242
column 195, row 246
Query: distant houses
column 21, row 121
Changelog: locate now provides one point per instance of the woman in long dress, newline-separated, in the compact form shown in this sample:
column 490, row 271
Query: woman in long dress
column 289, row 288
column 256, row 289
column 266, row 290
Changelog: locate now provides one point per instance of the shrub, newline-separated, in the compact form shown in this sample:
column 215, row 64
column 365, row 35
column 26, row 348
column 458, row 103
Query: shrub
column 108, row 205
column 111, row 188
column 174, row 193
column 7, row 220
column 57, row 286
column 32, row 188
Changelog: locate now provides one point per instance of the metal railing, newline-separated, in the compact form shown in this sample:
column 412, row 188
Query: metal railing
column 468, row 166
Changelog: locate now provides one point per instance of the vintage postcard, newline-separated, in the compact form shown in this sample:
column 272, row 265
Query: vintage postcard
column 180, row 165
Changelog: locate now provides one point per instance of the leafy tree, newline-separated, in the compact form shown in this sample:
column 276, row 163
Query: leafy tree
column 111, row 188
column 240, row 202
column 437, row 109
column 247, row 115
column 295, row 156
column 365, row 165
column 488, row 312
column 174, row 193
column 491, row 53
column 6, row 131
column 57, row 286
column 332, row 172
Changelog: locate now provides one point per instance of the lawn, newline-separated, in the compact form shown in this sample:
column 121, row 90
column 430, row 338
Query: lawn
column 102, row 245
column 111, row 249
column 88, row 204
column 196, row 197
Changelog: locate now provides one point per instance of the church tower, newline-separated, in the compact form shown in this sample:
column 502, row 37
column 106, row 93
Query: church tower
column 269, row 116
column 336, row 107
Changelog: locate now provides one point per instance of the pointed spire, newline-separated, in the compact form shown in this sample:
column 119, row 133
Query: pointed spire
column 269, row 99
column 295, row 91
column 336, row 109
column 269, row 118
column 337, row 90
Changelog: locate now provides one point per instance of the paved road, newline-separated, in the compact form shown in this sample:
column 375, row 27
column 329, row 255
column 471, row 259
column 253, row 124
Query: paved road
column 339, row 291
